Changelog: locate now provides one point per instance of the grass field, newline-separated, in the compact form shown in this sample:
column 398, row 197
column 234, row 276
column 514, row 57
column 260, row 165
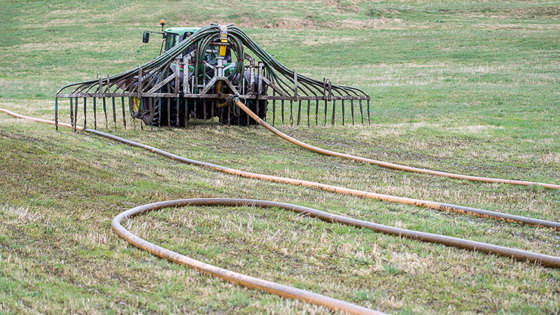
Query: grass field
column 468, row 87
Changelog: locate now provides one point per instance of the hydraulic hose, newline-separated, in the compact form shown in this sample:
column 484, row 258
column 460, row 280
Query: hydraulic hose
column 291, row 292
column 237, row 278
column 271, row 287
column 331, row 188
column 387, row 164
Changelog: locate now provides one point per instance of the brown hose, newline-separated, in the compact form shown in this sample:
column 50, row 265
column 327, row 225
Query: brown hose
column 286, row 291
column 336, row 189
column 387, row 164
column 291, row 292
column 241, row 279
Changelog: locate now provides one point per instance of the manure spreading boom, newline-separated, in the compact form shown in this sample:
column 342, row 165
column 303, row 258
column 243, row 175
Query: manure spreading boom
column 196, row 72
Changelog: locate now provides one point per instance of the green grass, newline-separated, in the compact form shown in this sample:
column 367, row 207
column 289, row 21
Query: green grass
column 469, row 87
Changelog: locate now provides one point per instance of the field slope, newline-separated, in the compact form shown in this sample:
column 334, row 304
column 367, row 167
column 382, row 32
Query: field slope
column 469, row 87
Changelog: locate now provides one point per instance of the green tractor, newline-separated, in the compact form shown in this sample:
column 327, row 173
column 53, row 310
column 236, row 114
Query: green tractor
column 199, row 70
column 216, row 59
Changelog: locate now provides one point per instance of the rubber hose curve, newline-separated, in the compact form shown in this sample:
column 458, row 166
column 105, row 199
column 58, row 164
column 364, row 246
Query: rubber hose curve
column 286, row 291
column 387, row 164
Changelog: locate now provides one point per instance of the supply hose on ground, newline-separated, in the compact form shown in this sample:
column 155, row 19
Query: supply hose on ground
column 330, row 188
column 286, row 291
column 386, row 164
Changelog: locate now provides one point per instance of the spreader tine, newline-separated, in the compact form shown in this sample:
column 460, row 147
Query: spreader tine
column 177, row 104
column 94, row 113
column 368, row 119
column 151, row 105
column 105, row 112
column 299, row 113
column 72, row 113
column 282, row 104
column 56, row 113
column 85, row 112
column 352, row 110
column 273, row 107
column 333, row 112
column 256, row 108
column 194, row 108
column 317, row 113
column 141, row 113
column 123, row 112
column 361, row 112
column 308, row 110
column 169, row 113
column 291, row 113
column 343, row 112
column 159, row 113
column 114, row 112
column 75, row 113
column 326, row 105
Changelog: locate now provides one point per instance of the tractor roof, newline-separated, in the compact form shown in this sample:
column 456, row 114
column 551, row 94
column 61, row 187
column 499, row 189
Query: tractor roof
column 182, row 30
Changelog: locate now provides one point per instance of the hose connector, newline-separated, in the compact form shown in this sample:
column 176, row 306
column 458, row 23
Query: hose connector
column 232, row 99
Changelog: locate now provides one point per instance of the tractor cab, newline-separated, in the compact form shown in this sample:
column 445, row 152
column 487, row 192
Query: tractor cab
column 171, row 36
column 174, row 35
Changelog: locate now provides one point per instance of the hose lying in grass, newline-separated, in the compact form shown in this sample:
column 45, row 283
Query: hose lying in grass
column 387, row 164
column 287, row 291
column 545, row 260
column 331, row 188
column 237, row 278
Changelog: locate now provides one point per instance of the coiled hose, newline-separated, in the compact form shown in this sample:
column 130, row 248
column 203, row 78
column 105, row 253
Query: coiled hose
column 290, row 292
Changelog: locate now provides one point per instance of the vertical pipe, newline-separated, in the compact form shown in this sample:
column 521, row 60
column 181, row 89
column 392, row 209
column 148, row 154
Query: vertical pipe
column 361, row 112
column 123, row 112
column 229, row 115
column 56, row 113
column 114, row 112
column 299, row 112
column 343, row 112
column 352, row 110
column 140, row 100
column 169, row 113
column 71, row 113
column 282, row 110
column 316, row 112
column 291, row 113
column 326, row 105
column 195, row 108
column 308, row 112
column 94, row 113
column 141, row 112
column 273, row 107
column 159, row 112
column 105, row 112
column 85, row 112
column 177, row 104
column 75, row 114
column 152, row 106
column 333, row 111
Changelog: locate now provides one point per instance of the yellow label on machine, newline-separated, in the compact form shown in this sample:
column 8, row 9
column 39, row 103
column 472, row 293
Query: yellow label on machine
column 223, row 48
